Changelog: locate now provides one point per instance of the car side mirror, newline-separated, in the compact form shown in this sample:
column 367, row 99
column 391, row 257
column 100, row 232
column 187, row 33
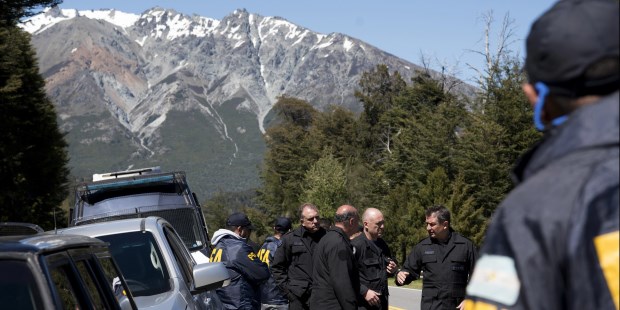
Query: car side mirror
column 209, row 276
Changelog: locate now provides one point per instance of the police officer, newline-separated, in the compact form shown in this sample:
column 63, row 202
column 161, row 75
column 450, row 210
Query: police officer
column 446, row 259
column 335, row 275
column 247, row 271
column 374, row 261
column 272, row 297
column 292, row 263
column 553, row 243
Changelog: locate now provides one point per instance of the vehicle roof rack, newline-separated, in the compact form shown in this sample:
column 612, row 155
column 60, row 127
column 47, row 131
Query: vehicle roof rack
column 125, row 173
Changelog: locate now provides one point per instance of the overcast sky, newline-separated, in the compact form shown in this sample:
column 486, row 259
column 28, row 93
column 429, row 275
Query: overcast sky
column 442, row 31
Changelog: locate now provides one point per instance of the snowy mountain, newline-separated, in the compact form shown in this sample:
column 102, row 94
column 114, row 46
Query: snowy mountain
column 188, row 92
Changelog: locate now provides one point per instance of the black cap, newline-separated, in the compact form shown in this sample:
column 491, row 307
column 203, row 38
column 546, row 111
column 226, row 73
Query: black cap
column 282, row 224
column 568, row 38
column 239, row 219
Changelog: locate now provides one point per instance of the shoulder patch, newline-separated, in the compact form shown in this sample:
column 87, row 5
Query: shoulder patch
column 495, row 278
column 607, row 248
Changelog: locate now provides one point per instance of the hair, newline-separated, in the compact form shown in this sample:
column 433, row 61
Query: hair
column 306, row 205
column 325, row 223
column 345, row 216
column 231, row 228
column 442, row 213
column 600, row 78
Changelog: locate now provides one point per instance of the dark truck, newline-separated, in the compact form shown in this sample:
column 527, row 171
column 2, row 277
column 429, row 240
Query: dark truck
column 141, row 193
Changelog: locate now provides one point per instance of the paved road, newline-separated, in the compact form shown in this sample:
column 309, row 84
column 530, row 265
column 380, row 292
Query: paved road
column 404, row 298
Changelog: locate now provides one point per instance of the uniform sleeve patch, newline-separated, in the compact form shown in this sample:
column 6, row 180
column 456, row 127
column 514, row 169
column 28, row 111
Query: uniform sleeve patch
column 608, row 251
column 495, row 278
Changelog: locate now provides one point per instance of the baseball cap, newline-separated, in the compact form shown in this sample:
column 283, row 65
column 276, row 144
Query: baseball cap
column 239, row 219
column 570, row 37
column 282, row 224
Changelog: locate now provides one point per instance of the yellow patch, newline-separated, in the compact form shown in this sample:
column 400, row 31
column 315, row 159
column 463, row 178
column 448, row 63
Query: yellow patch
column 216, row 256
column 478, row 305
column 252, row 256
column 608, row 251
column 263, row 254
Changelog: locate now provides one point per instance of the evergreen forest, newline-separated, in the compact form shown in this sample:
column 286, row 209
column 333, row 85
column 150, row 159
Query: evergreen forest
column 415, row 144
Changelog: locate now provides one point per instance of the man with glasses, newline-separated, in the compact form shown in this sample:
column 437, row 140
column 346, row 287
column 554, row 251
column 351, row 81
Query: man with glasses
column 292, row 263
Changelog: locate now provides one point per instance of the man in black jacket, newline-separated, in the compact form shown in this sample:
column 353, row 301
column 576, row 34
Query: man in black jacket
column 335, row 276
column 553, row 243
column 374, row 260
column 447, row 260
column 292, row 264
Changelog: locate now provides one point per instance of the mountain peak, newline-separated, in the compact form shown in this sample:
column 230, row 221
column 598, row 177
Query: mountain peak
column 52, row 16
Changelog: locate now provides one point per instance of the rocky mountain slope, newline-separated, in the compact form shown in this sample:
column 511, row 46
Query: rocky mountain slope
column 188, row 92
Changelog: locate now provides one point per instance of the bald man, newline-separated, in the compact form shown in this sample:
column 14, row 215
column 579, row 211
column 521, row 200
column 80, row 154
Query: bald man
column 335, row 278
column 374, row 260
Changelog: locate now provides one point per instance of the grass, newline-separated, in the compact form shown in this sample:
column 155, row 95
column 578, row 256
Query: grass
column 417, row 284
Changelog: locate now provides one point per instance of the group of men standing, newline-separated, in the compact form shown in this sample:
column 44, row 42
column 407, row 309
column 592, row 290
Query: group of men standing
column 312, row 267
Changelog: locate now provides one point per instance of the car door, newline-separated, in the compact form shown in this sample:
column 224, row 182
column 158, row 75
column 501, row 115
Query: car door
column 184, row 262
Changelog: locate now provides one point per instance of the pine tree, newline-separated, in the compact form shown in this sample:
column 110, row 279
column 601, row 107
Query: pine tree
column 12, row 11
column 33, row 155
column 290, row 153
column 325, row 185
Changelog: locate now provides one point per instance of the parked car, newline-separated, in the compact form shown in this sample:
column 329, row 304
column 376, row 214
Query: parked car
column 19, row 228
column 46, row 271
column 157, row 266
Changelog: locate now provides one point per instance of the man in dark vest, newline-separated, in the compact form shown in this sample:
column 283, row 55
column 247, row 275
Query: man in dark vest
column 335, row 276
column 292, row 263
column 446, row 259
column 374, row 260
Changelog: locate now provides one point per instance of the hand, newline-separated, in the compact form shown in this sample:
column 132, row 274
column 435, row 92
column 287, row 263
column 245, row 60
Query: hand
column 391, row 267
column 401, row 277
column 461, row 305
column 372, row 298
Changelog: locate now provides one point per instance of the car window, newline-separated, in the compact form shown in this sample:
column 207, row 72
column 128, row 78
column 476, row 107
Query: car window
column 112, row 276
column 181, row 255
column 141, row 262
column 64, row 288
column 91, row 284
column 18, row 287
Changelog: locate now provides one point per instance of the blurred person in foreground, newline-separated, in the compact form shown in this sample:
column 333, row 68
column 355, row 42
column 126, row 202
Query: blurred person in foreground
column 553, row 242
column 247, row 271
column 335, row 276
column 292, row 264
column 374, row 261
column 447, row 260
column 272, row 297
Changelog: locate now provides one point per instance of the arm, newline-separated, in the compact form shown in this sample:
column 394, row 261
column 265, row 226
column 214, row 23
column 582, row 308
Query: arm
column 411, row 268
column 280, row 263
column 341, row 264
column 250, row 266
